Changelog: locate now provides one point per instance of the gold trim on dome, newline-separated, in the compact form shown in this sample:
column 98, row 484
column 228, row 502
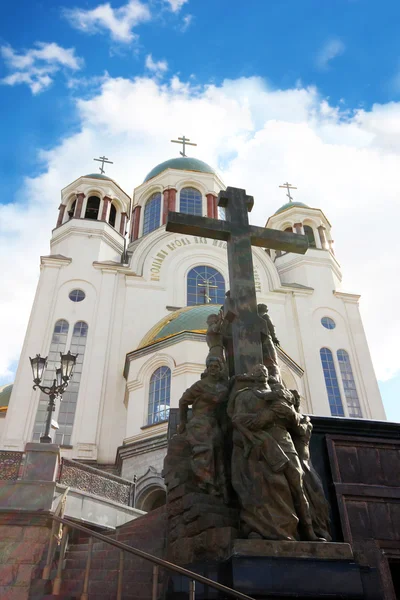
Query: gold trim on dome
column 151, row 334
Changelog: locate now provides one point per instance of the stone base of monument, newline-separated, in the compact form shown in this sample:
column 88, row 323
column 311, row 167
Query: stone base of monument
column 200, row 526
column 266, row 569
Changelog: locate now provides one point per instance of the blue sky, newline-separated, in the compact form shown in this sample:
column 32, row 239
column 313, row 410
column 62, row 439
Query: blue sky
column 302, row 89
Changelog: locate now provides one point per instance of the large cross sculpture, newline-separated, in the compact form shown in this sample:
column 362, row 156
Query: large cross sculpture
column 240, row 237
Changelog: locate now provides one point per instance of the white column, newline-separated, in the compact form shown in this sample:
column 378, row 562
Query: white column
column 94, row 370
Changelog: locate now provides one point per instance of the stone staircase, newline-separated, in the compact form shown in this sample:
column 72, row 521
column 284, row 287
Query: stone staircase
column 146, row 533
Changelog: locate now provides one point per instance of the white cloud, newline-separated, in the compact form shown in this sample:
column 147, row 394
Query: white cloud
column 176, row 5
column 186, row 22
column 118, row 22
column 330, row 50
column 157, row 67
column 346, row 164
column 36, row 67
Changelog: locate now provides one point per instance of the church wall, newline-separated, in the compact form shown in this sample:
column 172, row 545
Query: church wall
column 186, row 361
column 23, row 402
column 86, row 241
column 361, row 360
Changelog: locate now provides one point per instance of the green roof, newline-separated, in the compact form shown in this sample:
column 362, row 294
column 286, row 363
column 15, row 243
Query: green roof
column 184, row 163
column 190, row 318
column 98, row 176
column 5, row 393
column 291, row 205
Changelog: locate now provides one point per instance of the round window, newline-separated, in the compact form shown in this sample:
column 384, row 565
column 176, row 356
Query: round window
column 328, row 323
column 77, row 295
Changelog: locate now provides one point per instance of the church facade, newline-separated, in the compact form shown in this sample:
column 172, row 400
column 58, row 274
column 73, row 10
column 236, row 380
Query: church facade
column 134, row 309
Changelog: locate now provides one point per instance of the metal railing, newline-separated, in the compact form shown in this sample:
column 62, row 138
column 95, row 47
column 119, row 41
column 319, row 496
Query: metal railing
column 11, row 463
column 157, row 563
column 94, row 481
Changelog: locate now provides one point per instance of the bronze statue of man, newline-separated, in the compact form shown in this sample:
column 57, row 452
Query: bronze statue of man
column 203, row 431
column 214, row 336
column 269, row 342
column 266, row 471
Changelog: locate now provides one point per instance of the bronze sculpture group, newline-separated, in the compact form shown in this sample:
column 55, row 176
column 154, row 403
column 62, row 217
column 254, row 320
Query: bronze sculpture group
column 249, row 441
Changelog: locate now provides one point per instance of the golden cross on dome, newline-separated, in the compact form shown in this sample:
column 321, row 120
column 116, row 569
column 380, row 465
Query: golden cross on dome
column 103, row 159
column 289, row 187
column 185, row 142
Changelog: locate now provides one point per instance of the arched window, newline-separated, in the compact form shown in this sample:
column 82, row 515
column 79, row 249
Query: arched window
column 152, row 212
column 308, row 231
column 289, row 229
column 57, row 345
column 205, row 285
column 331, row 382
column 92, row 208
column 159, row 395
column 191, row 201
column 113, row 215
column 350, row 390
column 71, row 211
column 66, row 416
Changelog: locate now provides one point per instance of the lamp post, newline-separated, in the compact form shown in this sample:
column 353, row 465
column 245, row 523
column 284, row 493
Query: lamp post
column 58, row 387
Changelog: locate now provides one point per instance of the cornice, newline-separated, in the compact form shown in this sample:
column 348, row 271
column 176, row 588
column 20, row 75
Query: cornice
column 314, row 261
column 346, row 297
column 132, row 386
column 289, row 362
column 298, row 289
column 150, row 434
column 111, row 267
column 98, row 231
column 188, row 367
column 160, row 345
column 55, row 260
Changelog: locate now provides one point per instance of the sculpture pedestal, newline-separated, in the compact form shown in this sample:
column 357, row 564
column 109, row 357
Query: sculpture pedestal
column 265, row 569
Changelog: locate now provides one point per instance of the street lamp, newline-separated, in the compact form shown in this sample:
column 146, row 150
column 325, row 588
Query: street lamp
column 60, row 383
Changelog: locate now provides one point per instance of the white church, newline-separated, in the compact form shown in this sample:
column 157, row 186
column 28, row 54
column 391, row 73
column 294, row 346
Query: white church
column 132, row 300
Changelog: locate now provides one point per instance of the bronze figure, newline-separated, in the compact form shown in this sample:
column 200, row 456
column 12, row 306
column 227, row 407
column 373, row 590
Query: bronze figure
column 266, row 471
column 203, row 431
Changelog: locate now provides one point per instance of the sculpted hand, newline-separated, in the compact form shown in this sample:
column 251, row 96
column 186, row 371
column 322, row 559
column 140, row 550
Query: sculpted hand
column 276, row 342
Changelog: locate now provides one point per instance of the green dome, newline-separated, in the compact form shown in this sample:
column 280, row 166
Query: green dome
column 98, row 176
column 5, row 393
column 184, row 163
column 290, row 205
column 190, row 318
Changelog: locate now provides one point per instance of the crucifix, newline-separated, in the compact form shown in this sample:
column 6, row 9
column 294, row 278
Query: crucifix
column 207, row 286
column 289, row 187
column 103, row 160
column 185, row 142
column 240, row 237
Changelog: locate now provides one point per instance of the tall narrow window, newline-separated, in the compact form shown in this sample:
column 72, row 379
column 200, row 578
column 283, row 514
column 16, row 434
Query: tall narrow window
column 350, row 390
column 331, row 382
column 159, row 396
column 66, row 416
column 152, row 212
column 71, row 211
column 58, row 343
column 205, row 285
column 308, row 231
column 113, row 215
column 191, row 201
column 92, row 208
